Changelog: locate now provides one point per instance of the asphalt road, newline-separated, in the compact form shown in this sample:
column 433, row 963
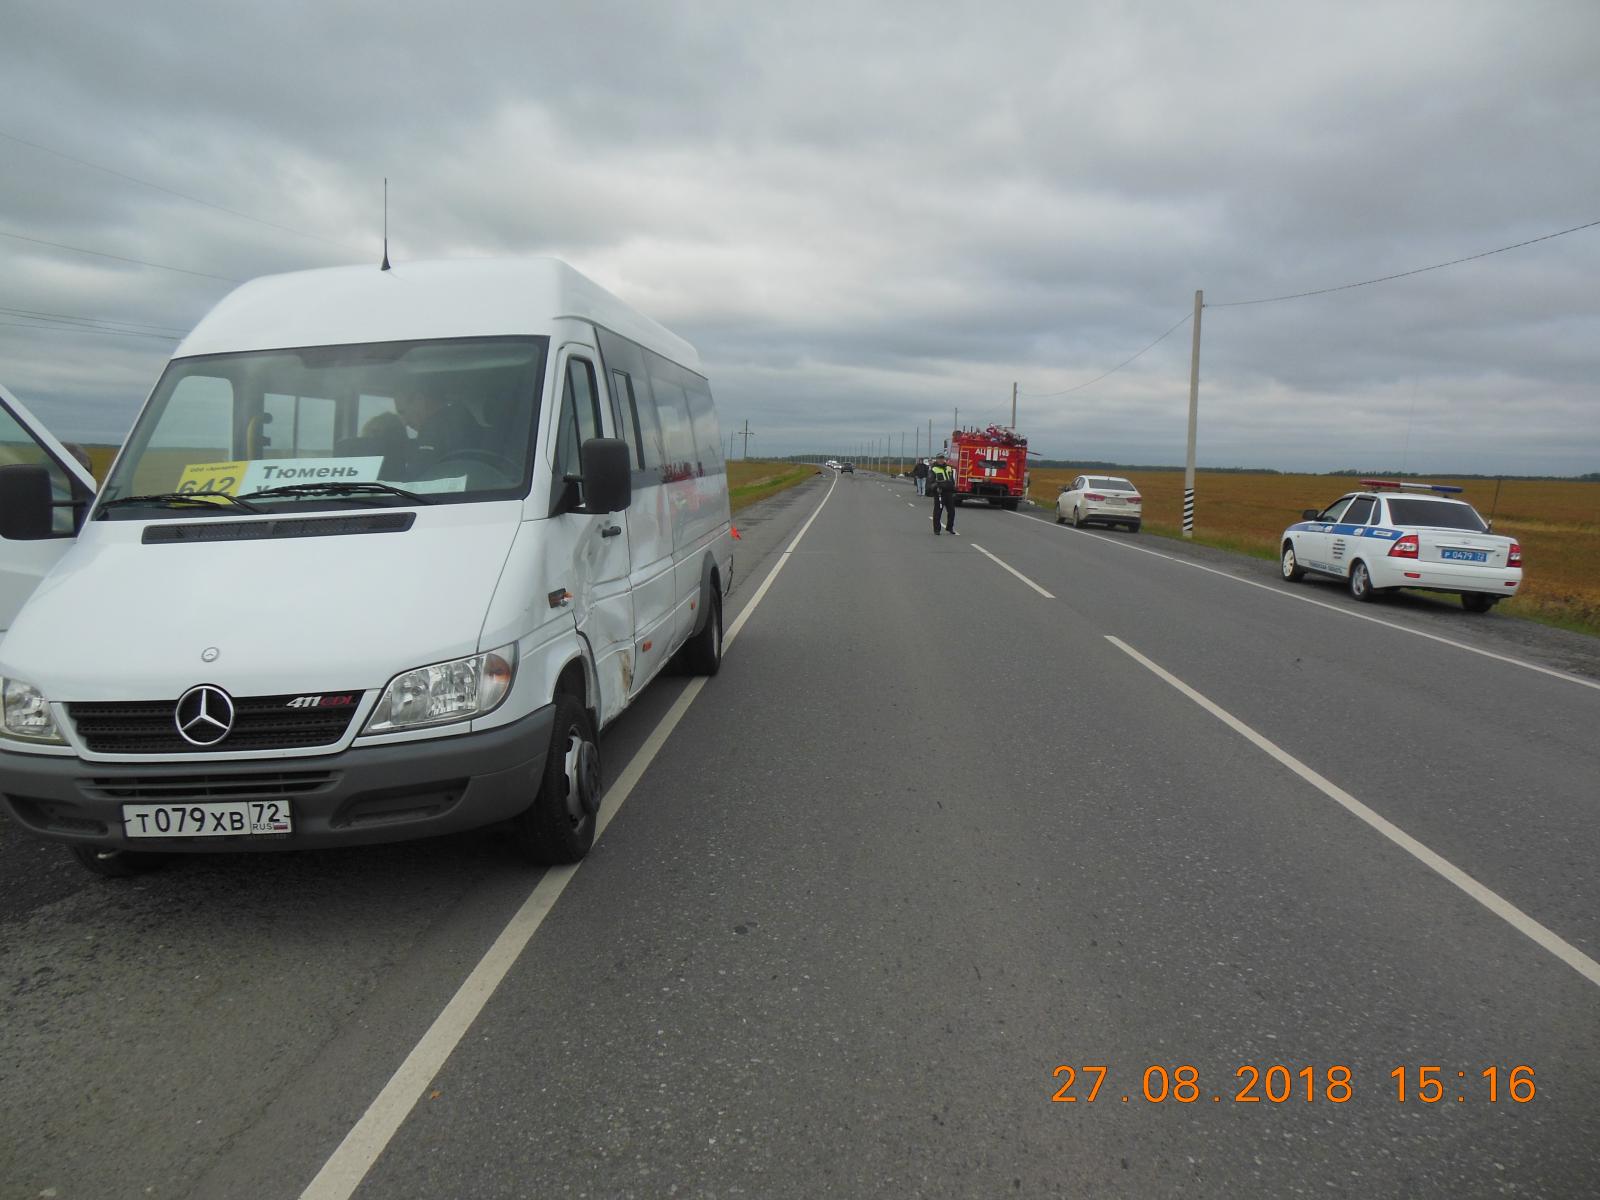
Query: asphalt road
column 929, row 836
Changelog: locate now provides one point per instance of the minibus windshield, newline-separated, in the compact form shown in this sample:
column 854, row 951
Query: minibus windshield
column 445, row 421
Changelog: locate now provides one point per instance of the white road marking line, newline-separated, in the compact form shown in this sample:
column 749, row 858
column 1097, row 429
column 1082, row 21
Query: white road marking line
column 1345, row 612
column 1493, row 901
column 371, row 1135
column 1013, row 570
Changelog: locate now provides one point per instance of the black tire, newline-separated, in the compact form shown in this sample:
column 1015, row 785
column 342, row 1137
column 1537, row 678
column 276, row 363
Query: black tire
column 1060, row 520
column 1289, row 564
column 558, row 827
column 1133, row 526
column 113, row 864
column 702, row 654
column 1361, row 583
column 1009, row 505
column 1477, row 602
column 1077, row 517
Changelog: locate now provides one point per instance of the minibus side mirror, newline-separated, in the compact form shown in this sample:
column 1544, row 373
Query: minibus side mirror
column 26, row 503
column 607, row 475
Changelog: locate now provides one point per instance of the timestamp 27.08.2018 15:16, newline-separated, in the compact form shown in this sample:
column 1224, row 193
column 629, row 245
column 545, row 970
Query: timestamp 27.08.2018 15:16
column 1281, row 1084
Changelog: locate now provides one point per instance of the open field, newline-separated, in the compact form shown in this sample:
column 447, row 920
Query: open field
column 755, row 479
column 1557, row 523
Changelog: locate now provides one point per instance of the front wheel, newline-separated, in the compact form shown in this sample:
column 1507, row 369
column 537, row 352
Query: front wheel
column 1361, row 582
column 702, row 654
column 558, row 827
column 1477, row 602
column 1292, row 570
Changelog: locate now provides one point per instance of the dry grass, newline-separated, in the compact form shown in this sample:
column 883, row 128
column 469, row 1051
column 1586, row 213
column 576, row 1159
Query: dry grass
column 753, row 479
column 1557, row 523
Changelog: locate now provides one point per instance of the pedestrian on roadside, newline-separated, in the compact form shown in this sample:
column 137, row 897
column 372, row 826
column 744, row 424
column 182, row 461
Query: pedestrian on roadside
column 943, row 481
column 920, row 474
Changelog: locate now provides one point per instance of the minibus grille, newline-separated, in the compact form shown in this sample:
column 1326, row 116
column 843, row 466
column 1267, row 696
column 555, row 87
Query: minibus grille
column 209, row 787
column 260, row 723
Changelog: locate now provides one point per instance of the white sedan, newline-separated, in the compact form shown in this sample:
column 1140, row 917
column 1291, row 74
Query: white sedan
column 1102, row 500
column 1383, row 538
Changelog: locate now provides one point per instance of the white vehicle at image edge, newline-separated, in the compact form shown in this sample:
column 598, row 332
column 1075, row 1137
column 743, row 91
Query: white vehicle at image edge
column 1404, row 535
column 1100, row 500
column 382, row 554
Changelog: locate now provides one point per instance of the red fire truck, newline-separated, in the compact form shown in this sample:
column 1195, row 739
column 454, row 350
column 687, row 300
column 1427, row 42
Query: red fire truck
column 990, row 464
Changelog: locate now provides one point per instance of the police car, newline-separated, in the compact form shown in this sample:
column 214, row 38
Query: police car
column 1412, row 535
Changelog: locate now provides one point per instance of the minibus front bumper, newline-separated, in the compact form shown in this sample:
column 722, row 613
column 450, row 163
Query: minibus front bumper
column 361, row 796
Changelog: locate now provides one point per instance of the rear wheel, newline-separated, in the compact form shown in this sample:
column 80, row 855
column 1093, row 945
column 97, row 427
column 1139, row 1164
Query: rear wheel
column 1133, row 526
column 1477, row 602
column 113, row 864
column 1009, row 505
column 1290, row 565
column 1361, row 582
column 558, row 827
column 1077, row 517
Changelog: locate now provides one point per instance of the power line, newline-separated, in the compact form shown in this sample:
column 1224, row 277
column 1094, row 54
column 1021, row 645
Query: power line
column 1402, row 274
column 232, row 212
column 92, row 322
column 55, row 328
column 117, row 257
column 1080, row 386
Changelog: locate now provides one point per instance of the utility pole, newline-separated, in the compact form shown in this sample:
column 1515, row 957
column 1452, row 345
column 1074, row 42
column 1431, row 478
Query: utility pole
column 1194, row 420
column 1013, row 406
column 746, row 435
column 930, row 437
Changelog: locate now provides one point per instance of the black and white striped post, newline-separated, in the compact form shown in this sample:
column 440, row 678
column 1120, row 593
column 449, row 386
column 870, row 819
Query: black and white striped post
column 1194, row 419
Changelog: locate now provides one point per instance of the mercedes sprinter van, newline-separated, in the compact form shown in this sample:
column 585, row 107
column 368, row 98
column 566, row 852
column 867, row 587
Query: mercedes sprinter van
column 383, row 552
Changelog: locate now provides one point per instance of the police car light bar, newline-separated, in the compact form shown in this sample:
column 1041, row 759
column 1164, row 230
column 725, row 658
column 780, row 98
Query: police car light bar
column 1444, row 489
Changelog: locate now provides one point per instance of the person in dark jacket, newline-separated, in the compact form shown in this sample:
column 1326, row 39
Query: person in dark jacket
column 920, row 474
column 943, row 481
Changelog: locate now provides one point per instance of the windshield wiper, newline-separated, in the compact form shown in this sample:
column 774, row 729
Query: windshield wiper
column 167, row 498
column 334, row 488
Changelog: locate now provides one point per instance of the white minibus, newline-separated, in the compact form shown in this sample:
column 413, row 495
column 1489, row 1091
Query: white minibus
column 383, row 552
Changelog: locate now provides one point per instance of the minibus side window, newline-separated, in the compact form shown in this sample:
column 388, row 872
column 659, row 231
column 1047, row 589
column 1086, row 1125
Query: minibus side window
column 579, row 421
column 677, row 434
column 628, row 414
column 707, row 433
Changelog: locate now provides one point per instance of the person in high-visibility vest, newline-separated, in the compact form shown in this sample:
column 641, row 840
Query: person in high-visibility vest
column 943, row 482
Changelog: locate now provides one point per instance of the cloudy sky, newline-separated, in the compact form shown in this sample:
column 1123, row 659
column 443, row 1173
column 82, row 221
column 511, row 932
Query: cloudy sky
column 866, row 216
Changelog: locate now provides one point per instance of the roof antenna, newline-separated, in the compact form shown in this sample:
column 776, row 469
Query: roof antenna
column 385, row 266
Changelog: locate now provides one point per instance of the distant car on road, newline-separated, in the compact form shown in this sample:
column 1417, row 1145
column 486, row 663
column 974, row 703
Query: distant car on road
column 1100, row 500
column 833, row 463
column 847, row 468
column 1413, row 535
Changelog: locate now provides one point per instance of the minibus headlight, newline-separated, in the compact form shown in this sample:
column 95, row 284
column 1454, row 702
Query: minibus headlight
column 447, row 691
column 27, row 714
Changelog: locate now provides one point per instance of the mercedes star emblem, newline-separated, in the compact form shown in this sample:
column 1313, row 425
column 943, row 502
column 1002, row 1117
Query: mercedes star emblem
column 204, row 715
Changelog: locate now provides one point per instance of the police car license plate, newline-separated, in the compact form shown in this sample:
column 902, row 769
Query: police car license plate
column 1465, row 555
column 233, row 818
